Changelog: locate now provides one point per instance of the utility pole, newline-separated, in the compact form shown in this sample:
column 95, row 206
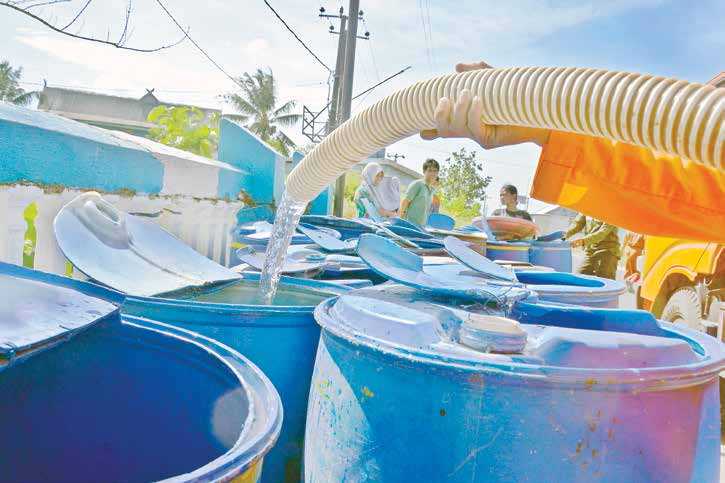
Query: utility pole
column 339, row 67
column 343, row 80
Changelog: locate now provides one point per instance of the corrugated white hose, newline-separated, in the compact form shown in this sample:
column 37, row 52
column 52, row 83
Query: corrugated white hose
column 667, row 115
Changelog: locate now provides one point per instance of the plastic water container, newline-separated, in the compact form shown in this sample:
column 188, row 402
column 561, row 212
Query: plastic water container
column 168, row 282
column 510, row 251
column 554, row 254
column 91, row 396
column 576, row 289
column 346, row 227
column 408, row 388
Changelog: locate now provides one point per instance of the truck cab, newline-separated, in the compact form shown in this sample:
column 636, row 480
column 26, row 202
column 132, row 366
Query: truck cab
column 684, row 282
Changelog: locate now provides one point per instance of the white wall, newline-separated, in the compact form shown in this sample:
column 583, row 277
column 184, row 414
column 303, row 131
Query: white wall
column 205, row 225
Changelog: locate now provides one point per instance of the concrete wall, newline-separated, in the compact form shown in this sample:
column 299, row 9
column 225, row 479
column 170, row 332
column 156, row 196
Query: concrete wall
column 46, row 160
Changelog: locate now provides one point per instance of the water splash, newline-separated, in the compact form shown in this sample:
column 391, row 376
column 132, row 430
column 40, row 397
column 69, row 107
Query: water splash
column 285, row 223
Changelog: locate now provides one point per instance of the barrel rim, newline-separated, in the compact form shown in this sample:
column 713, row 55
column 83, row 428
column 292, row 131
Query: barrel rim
column 249, row 448
column 607, row 379
column 610, row 288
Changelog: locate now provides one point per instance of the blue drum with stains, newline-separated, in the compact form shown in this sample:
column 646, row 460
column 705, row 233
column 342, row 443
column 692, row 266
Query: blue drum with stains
column 168, row 282
column 509, row 251
column 408, row 388
column 576, row 289
column 554, row 254
column 91, row 396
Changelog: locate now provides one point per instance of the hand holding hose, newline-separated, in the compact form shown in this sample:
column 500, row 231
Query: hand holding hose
column 462, row 119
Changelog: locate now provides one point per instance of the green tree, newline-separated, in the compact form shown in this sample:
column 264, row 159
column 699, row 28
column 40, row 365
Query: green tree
column 185, row 128
column 257, row 103
column 10, row 90
column 462, row 185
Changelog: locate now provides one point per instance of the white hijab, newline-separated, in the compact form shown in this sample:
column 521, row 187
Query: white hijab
column 389, row 189
column 386, row 195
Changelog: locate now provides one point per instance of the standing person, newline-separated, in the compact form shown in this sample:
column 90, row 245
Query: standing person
column 435, row 205
column 370, row 189
column 509, row 196
column 600, row 243
column 417, row 201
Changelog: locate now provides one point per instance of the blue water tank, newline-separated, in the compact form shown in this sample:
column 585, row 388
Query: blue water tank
column 509, row 251
column 91, row 396
column 410, row 388
column 576, row 289
column 554, row 254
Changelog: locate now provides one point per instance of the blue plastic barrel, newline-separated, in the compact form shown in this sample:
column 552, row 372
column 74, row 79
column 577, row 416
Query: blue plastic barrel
column 169, row 282
column 281, row 339
column 410, row 389
column 554, row 254
column 510, row 251
column 576, row 289
column 122, row 399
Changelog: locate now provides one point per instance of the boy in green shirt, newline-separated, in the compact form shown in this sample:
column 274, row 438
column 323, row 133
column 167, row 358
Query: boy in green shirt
column 416, row 204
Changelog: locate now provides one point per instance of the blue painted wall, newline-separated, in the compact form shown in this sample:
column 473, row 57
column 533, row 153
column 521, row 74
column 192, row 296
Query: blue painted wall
column 321, row 204
column 265, row 167
column 42, row 148
column 230, row 182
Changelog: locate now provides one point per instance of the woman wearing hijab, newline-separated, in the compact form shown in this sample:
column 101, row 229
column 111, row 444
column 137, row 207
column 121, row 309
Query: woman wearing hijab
column 382, row 193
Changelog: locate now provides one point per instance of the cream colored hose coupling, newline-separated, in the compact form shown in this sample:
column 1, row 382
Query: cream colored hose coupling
column 668, row 115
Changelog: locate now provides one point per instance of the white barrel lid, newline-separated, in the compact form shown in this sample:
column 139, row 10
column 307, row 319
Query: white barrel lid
column 410, row 324
column 128, row 253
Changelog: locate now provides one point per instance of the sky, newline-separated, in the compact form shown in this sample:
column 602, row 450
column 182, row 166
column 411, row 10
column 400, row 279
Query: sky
column 677, row 38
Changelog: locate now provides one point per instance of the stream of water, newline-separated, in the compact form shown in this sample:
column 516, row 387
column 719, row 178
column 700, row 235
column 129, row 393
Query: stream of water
column 288, row 215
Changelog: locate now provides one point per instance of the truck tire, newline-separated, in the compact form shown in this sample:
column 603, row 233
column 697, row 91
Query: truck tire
column 683, row 307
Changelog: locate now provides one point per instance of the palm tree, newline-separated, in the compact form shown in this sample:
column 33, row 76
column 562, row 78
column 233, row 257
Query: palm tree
column 258, row 106
column 10, row 91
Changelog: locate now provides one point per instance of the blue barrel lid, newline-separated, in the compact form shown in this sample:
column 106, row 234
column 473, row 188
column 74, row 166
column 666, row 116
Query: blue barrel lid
column 391, row 261
column 34, row 314
column 334, row 221
column 296, row 264
column 404, row 323
column 128, row 253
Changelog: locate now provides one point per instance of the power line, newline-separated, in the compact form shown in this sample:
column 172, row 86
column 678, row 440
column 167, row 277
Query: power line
column 370, row 89
column 430, row 34
column 425, row 35
column 296, row 36
column 186, row 34
column 381, row 82
column 372, row 54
